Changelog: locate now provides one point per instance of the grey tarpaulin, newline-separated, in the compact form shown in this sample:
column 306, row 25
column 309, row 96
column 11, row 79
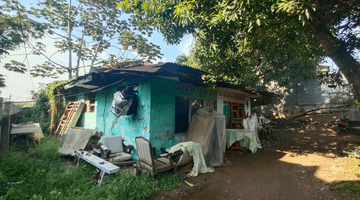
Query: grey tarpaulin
column 76, row 139
column 208, row 129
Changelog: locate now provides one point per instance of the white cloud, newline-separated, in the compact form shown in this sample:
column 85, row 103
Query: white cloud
column 185, row 45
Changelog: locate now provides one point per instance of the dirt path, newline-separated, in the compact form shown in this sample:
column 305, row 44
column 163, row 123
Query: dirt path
column 302, row 166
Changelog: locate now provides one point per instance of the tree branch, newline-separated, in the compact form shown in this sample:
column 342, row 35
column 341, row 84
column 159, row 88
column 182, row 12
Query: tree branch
column 47, row 57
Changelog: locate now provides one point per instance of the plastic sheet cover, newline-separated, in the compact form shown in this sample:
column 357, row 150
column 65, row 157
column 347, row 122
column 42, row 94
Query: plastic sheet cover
column 122, row 102
column 208, row 129
column 194, row 150
column 252, row 123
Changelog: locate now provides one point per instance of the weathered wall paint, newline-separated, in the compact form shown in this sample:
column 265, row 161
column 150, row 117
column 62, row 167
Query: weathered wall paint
column 155, row 119
column 162, row 121
column 128, row 127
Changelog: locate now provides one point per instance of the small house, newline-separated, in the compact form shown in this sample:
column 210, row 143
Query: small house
column 166, row 96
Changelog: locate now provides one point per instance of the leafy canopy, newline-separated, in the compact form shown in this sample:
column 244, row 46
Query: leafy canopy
column 252, row 42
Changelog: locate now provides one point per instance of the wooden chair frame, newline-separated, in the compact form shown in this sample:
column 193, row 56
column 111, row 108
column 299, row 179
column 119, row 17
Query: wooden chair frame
column 150, row 161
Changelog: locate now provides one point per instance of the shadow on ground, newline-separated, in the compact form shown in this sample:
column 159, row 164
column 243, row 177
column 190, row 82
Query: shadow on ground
column 302, row 165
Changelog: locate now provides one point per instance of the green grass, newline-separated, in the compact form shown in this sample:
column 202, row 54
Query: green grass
column 349, row 188
column 45, row 175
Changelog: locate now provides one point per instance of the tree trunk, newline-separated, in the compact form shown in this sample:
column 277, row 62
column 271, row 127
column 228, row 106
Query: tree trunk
column 79, row 55
column 70, row 44
column 337, row 51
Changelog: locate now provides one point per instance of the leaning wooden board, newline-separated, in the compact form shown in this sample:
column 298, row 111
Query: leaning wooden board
column 70, row 117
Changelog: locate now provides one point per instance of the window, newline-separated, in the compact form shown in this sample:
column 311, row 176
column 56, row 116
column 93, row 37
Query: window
column 237, row 110
column 233, row 110
column 90, row 101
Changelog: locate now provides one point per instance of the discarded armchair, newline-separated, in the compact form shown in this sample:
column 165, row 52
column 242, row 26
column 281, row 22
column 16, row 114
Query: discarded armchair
column 113, row 147
column 148, row 162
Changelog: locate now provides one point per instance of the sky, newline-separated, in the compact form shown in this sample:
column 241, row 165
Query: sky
column 19, row 86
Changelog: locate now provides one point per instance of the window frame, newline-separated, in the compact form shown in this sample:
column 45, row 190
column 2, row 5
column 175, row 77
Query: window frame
column 237, row 112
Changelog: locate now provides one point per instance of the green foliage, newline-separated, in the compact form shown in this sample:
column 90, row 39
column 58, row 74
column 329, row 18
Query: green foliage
column 138, row 43
column 182, row 60
column 253, row 42
column 354, row 171
column 349, row 188
column 357, row 103
column 44, row 174
column 41, row 111
column 168, row 181
column 238, row 42
column 15, row 27
column 339, row 161
column 256, row 110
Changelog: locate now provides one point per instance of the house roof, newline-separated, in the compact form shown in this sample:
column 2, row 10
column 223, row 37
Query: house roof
column 108, row 75
column 253, row 93
column 115, row 73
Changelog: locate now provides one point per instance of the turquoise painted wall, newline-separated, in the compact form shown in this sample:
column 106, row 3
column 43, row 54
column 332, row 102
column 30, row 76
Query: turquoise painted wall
column 155, row 119
column 128, row 127
column 90, row 120
column 162, row 122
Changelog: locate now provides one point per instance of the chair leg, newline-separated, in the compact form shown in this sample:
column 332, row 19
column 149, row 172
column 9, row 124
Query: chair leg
column 78, row 160
column 102, row 176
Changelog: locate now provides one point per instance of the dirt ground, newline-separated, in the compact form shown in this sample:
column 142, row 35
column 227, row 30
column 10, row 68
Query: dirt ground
column 303, row 164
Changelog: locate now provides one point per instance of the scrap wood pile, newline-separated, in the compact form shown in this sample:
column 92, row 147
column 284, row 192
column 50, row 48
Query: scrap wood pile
column 316, row 126
column 341, row 126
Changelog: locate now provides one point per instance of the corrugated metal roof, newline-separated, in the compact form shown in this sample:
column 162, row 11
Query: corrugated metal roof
column 109, row 74
column 171, row 70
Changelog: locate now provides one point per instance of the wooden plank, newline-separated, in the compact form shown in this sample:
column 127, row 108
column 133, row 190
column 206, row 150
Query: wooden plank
column 77, row 114
column 70, row 117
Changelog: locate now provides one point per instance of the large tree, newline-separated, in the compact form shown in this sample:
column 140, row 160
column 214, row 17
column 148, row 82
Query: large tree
column 86, row 29
column 261, row 40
